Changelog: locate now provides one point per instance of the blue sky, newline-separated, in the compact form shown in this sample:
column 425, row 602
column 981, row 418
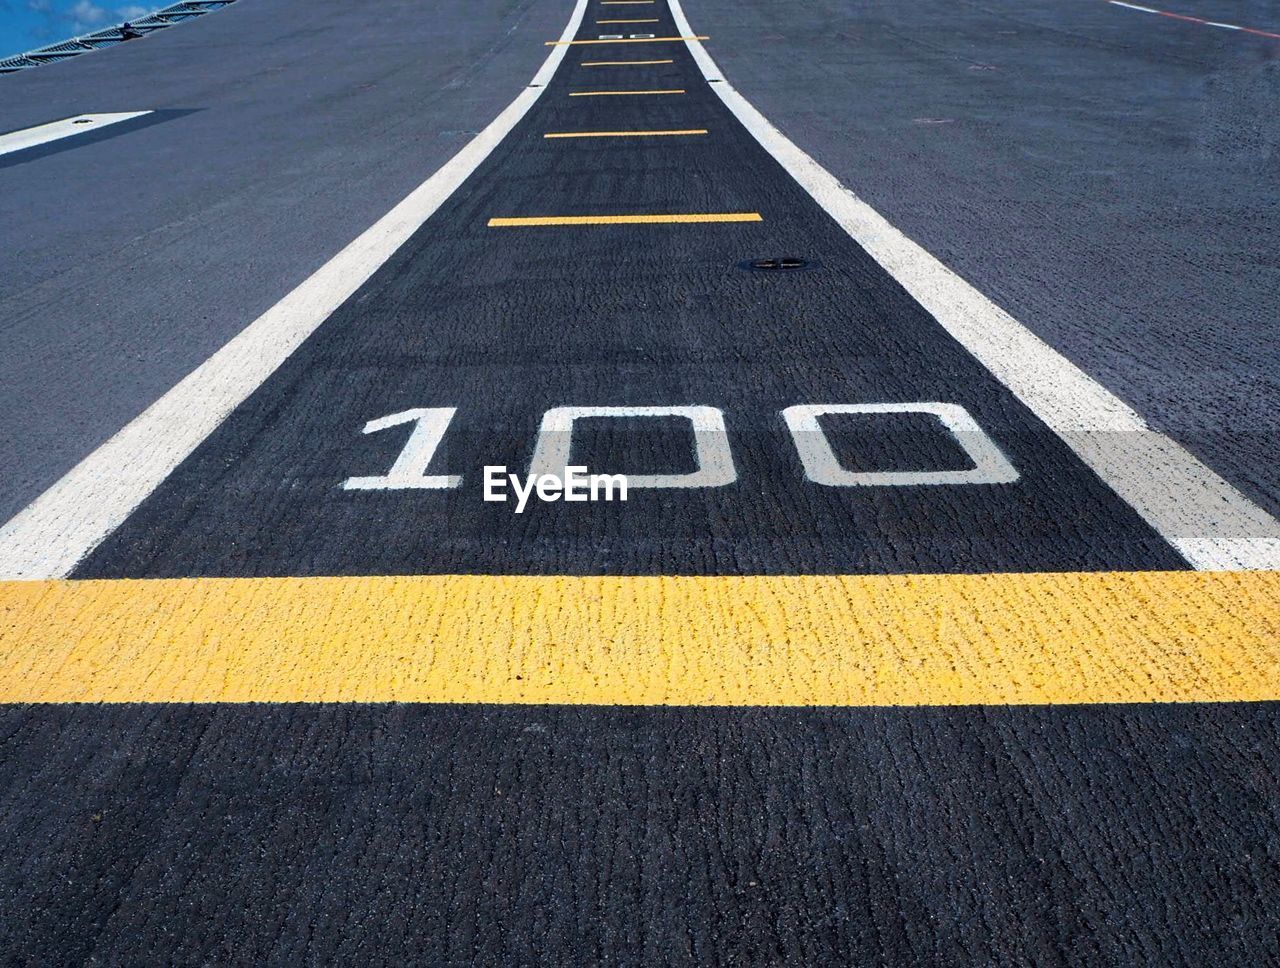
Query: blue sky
column 32, row 23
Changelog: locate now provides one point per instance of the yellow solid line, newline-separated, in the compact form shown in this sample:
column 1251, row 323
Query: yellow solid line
column 653, row 21
column 628, row 40
column 622, row 134
column 624, row 219
column 622, row 63
column 1136, row 637
column 611, row 93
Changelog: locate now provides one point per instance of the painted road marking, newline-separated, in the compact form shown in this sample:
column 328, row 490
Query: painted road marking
column 1211, row 524
column 654, row 20
column 712, row 456
column 42, row 134
column 625, row 134
column 612, row 93
column 1208, row 522
column 822, row 466
column 1129, row 637
column 622, row 63
column 60, row 527
column 1195, row 20
column 409, row 472
column 638, row 40
column 625, row 219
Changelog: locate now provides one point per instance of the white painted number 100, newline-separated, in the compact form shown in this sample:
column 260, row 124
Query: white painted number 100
column 714, row 459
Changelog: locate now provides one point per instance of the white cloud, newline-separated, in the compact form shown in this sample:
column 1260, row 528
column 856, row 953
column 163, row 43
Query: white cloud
column 56, row 20
column 87, row 12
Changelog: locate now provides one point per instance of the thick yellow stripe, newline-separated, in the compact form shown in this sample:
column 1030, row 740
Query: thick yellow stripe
column 622, row 63
column 625, row 219
column 654, row 20
column 775, row 641
column 627, row 40
column 611, row 93
column 624, row 134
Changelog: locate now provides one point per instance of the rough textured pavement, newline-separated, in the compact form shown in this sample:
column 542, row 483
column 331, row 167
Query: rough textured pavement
column 125, row 263
column 1107, row 176
column 552, row 835
column 979, row 760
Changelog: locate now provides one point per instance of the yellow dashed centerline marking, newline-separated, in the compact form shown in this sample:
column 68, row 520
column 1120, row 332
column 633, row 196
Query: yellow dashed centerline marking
column 615, row 93
column 624, row 40
column 1130, row 637
column 624, row 219
column 624, row 134
column 622, row 63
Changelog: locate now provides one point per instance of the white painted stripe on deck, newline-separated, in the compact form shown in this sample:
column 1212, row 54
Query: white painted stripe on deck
column 42, row 134
column 1211, row 524
column 1188, row 18
column 55, row 531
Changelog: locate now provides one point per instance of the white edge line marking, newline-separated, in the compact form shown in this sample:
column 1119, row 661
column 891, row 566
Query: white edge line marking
column 53, row 533
column 1211, row 524
column 1213, row 23
column 42, row 134
column 1132, row 6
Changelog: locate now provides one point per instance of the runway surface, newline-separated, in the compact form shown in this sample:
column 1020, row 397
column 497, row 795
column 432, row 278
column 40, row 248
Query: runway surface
column 278, row 108
column 911, row 644
column 1105, row 175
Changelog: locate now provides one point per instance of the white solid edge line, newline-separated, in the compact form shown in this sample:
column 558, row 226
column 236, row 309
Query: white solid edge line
column 1131, row 6
column 1211, row 524
column 42, row 134
column 53, row 533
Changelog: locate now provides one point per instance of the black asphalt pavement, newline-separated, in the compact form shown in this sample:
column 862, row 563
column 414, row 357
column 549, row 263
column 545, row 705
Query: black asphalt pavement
column 144, row 833
column 504, row 323
column 1107, row 176
column 125, row 262
column 517, row 836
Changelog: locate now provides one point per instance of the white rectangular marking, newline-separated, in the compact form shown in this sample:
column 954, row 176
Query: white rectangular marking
column 42, row 134
column 710, row 442
column 1211, row 524
column 56, row 530
column 821, row 465
column 1132, row 6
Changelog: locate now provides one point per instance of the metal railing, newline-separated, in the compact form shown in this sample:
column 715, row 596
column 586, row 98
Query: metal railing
column 110, row 36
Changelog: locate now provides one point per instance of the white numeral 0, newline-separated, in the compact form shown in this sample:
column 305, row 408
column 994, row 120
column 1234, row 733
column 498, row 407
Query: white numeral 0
column 821, row 466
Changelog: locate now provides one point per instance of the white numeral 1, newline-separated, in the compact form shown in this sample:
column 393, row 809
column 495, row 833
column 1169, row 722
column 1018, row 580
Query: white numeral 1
column 410, row 468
